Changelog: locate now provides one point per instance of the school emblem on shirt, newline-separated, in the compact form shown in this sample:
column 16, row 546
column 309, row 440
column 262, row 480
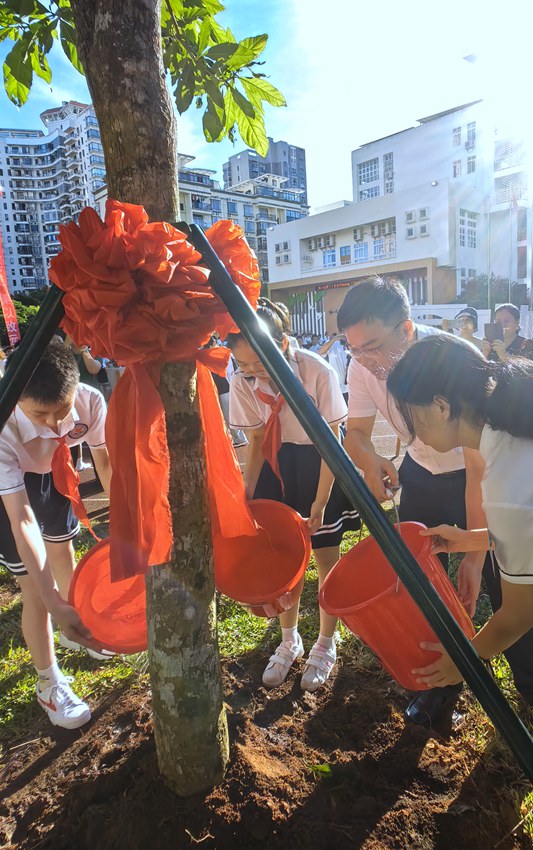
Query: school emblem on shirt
column 79, row 430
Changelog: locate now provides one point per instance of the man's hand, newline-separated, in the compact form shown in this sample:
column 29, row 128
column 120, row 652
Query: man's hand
column 449, row 538
column 469, row 582
column 70, row 622
column 380, row 476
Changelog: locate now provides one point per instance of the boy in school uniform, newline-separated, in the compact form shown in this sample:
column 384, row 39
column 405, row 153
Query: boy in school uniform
column 37, row 521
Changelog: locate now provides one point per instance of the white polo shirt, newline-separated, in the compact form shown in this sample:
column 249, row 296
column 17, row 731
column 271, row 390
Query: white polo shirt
column 367, row 394
column 507, row 498
column 27, row 447
column 246, row 410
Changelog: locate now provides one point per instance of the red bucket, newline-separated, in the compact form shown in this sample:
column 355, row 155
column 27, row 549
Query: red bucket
column 363, row 590
column 263, row 571
column 115, row 612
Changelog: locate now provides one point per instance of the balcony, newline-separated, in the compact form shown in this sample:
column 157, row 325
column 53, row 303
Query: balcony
column 266, row 217
column 509, row 194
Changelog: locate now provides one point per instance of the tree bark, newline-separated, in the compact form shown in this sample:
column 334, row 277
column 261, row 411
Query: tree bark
column 119, row 44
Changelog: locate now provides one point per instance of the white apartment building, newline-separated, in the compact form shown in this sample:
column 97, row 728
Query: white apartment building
column 282, row 159
column 46, row 178
column 433, row 205
column 256, row 204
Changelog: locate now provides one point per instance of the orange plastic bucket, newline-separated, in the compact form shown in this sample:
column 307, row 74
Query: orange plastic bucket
column 263, row 571
column 363, row 590
column 115, row 612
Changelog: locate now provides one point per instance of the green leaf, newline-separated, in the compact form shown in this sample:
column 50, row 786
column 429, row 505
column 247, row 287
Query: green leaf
column 213, row 126
column 230, row 108
column 18, row 74
column 253, row 133
column 256, row 44
column 258, row 87
column 221, row 51
column 320, row 769
column 204, row 34
column 185, row 87
column 68, row 43
column 242, row 104
column 214, row 92
column 40, row 64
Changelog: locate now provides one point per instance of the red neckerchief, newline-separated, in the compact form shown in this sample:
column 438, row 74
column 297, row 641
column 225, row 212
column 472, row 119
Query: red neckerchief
column 272, row 435
column 66, row 481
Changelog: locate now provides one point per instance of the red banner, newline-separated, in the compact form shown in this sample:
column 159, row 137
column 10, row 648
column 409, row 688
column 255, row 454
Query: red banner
column 6, row 303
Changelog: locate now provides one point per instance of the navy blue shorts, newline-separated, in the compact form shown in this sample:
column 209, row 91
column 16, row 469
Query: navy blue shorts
column 299, row 466
column 55, row 517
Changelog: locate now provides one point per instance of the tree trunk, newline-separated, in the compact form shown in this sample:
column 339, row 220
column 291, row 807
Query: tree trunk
column 119, row 44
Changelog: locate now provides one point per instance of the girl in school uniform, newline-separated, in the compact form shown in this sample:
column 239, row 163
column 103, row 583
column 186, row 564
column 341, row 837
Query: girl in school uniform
column 294, row 473
column 449, row 396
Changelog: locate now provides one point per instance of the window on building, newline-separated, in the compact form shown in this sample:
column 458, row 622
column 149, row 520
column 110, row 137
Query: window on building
column 292, row 215
column 467, row 229
column 456, row 135
column 423, row 230
column 286, row 258
column 521, row 224
column 371, row 192
column 410, row 216
column 248, row 210
column 471, row 134
column 360, row 252
column 232, row 208
column 249, row 227
column 423, row 213
column 286, row 246
column 457, row 168
column 278, row 261
column 521, row 261
column 329, row 258
column 470, row 164
column 368, row 172
column 345, row 255
column 216, row 205
column 388, row 173
column 379, row 248
column 410, row 232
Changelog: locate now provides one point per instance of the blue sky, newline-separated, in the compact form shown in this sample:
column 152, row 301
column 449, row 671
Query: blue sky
column 351, row 72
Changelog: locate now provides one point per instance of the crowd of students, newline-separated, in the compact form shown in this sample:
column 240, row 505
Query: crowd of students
column 465, row 475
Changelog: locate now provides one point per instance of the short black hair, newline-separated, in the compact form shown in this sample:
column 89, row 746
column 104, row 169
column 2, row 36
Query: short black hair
column 55, row 378
column 374, row 298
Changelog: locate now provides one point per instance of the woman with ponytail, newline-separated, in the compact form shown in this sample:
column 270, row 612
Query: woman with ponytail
column 282, row 464
column 448, row 396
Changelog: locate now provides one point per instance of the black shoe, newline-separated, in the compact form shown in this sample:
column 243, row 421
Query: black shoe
column 430, row 707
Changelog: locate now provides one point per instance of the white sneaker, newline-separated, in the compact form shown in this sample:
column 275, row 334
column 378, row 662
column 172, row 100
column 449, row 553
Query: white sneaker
column 281, row 662
column 77, row 647
column 62, row 705
column 318, row 666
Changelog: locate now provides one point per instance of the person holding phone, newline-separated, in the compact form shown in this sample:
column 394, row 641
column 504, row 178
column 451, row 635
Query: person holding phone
column 502, row 340
column 448, row 395
column 466, row 322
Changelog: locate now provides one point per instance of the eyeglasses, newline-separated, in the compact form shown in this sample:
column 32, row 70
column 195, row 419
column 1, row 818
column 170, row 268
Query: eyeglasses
column 357, row 353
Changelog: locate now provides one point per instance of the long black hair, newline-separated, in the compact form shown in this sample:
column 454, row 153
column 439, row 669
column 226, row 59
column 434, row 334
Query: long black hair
column 498, row 394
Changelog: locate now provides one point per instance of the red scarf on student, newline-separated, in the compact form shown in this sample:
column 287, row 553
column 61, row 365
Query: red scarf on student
column 66, row 481
column 272, row 435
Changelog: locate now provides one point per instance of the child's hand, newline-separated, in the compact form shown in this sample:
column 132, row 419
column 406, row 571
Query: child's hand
column 71, row 624
column 316, row 517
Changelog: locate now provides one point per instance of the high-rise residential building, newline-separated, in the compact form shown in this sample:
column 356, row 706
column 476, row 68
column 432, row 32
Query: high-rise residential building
column 434, row 205
column 257, row 204
column 282, row 159
column 47, row 178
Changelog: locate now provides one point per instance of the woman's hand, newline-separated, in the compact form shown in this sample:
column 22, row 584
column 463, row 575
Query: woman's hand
column 445, row 538
column 441, row 672
column 469, row 582
column 498, row 346
column 316, row 516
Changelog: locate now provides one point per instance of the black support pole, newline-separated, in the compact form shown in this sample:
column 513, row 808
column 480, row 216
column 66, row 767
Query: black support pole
column 25, row 358
column 418, row 585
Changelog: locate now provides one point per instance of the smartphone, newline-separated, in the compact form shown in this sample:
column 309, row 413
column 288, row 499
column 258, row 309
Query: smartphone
column 494, row 330
column 453, row 324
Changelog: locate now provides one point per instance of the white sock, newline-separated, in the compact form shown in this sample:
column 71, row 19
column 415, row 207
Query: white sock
column 327, row 642
column 50, row 676
column 290, row 635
